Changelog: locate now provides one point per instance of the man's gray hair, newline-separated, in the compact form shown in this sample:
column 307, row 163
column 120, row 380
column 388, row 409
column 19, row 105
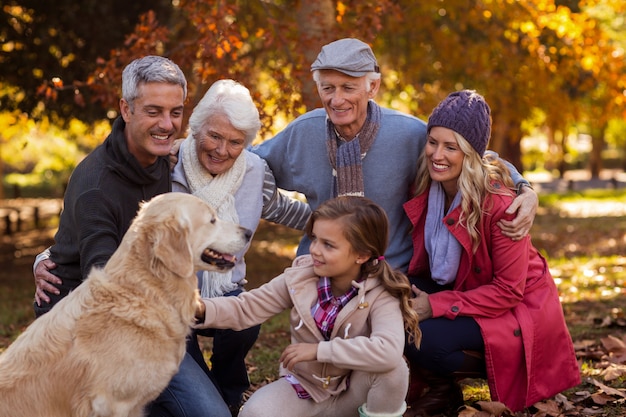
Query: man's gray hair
column 369, row 77
column 150, row 69
column 230, row 98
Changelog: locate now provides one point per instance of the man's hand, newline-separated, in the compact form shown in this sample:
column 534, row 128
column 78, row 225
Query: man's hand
column 44, row 280
column 421, row 304
column 298, row 352
column 525, row 205
column 200, row 311
column 174, row 152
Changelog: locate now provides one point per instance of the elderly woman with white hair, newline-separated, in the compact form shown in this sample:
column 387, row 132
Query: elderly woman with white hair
column 214, row 165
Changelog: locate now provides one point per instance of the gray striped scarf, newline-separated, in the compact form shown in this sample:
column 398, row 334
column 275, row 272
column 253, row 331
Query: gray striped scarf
column 346, row 159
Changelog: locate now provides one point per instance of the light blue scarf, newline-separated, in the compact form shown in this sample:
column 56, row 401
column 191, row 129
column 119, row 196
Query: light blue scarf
column 444, row 251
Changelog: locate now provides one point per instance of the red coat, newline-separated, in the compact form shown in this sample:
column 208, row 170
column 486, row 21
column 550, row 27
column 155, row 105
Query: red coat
column 507, row 287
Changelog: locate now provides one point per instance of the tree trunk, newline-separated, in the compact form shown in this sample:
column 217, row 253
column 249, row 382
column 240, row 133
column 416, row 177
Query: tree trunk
column 316, row 21
column 595, row 158
column 514, row 154
column 506, row 140
column 550, row 162
column 1, row 170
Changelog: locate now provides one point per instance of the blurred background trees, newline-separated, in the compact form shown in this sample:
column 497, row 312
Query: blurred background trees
column 553, row 72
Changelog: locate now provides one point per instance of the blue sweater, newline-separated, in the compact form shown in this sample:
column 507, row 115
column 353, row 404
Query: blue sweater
column 299, row 159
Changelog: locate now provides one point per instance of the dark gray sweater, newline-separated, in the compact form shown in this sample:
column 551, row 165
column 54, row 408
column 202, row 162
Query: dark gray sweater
column 100, row 202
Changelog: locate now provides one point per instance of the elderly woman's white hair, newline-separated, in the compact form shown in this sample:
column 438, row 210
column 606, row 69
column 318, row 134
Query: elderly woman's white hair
column 233, row 100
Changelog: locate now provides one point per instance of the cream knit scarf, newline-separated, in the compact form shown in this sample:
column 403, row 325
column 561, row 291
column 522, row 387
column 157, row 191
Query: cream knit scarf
column 219, row 192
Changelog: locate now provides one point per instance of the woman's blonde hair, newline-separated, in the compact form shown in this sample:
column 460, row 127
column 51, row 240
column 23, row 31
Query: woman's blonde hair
column 478, row 178
column 365, row 227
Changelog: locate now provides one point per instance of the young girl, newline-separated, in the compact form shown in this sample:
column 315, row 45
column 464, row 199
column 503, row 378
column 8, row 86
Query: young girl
column 349, row 314
column 478, row 289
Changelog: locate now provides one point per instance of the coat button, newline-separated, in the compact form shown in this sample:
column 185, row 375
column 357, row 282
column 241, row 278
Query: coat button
column 477, row 269
column 449, row 221
column 517, row 333
column 455, row 309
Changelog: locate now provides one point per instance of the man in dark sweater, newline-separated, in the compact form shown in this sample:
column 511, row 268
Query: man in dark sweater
column 103, row 197
column 105, row 189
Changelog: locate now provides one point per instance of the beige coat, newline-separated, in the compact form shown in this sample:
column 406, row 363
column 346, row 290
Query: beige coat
column 368, row 333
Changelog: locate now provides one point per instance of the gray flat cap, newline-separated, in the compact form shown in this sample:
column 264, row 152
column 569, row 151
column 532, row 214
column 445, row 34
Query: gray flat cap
column 350, row 56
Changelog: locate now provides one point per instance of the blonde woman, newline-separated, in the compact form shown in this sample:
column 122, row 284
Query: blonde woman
column 477, row 290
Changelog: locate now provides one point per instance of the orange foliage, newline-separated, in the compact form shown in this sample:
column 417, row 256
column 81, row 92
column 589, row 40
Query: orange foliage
column 520, row 55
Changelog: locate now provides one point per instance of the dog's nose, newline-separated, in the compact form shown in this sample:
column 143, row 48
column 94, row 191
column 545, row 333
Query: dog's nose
column 248, row 234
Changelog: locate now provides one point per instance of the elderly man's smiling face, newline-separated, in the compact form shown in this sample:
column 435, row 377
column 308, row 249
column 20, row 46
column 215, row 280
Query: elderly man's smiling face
column 345, row 100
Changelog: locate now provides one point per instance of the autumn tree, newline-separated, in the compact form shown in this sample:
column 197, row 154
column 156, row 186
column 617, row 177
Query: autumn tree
column 268, row 46
column 47, row 46
column 522, row 56
column 548, row 56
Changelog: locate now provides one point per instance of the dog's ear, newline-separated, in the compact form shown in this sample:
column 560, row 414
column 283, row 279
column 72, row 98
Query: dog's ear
column 171, row 246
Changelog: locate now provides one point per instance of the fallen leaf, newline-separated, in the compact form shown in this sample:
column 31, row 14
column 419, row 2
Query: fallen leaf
column 613, row 345
column 549, row 407
column 613, row 372
column 581, row 396
column 468, row 412
column 601, row 398
column 494, row 407
column 606, row 389
column 565, row 403
column 583, row 344
column 592, row 411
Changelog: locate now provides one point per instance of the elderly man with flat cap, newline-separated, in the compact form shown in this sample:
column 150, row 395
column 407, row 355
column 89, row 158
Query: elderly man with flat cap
column 355, row 147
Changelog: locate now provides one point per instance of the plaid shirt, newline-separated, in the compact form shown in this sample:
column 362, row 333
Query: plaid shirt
column 328, row 306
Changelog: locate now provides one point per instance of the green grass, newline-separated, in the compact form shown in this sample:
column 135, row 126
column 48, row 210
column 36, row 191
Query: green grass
column 264, row 355
column 15, row 312
column 592, row 195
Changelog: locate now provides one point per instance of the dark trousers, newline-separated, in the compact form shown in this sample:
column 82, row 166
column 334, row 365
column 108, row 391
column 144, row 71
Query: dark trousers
column 192, row 392
column 443, row 340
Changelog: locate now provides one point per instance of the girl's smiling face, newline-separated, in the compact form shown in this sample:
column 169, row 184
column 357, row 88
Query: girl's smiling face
column 333, row 256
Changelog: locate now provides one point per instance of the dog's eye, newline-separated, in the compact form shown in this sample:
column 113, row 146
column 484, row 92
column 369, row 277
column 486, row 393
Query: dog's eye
column 213, row 220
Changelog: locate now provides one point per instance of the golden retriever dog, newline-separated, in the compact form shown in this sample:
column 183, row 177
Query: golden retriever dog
column 113, row 344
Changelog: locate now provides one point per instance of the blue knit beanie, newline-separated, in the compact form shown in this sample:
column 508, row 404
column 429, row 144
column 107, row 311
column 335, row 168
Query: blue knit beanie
column 467, row 113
